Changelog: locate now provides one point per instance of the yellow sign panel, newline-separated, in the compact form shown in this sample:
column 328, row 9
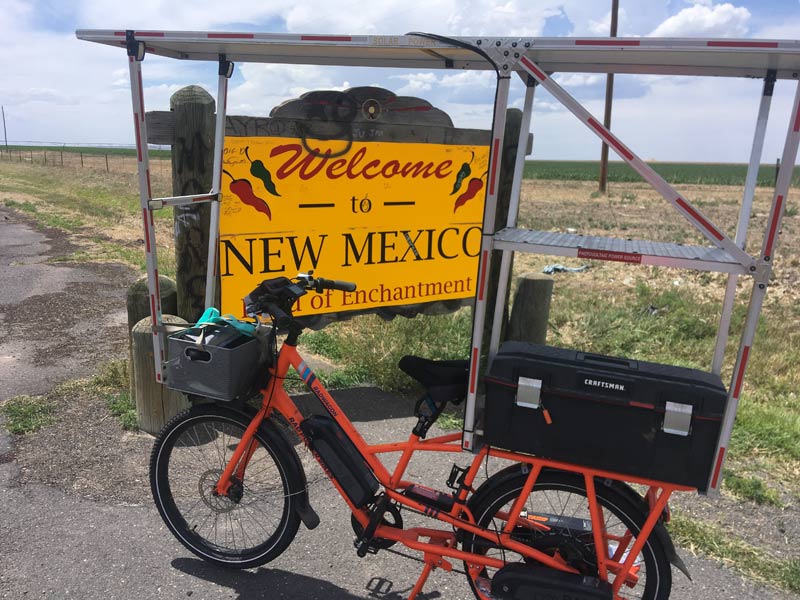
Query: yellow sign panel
column 401, row 220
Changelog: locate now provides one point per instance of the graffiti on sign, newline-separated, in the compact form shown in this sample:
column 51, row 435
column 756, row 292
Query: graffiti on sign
column 402, row 220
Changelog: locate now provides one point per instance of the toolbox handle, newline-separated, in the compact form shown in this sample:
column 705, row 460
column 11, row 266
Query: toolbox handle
column 197, row 355
column 608, row 360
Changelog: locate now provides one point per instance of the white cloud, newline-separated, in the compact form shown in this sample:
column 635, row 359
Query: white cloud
column 706, row 19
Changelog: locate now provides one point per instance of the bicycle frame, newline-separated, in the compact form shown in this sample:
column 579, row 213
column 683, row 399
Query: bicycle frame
column 618, row 569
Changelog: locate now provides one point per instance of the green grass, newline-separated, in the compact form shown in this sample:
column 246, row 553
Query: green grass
column 711, row 541
column 677, row 173
column 368, row 348
column 751, row 489
column 26, row 414
column 25, row 206
column 112, row 382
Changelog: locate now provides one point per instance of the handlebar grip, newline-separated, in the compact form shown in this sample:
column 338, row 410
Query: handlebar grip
column 333, row 284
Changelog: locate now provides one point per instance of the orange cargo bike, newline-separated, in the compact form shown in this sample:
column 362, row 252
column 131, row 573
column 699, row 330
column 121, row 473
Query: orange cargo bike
column 230, row 486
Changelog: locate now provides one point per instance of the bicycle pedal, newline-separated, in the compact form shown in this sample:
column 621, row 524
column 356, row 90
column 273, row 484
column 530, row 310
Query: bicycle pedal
column 363, row 547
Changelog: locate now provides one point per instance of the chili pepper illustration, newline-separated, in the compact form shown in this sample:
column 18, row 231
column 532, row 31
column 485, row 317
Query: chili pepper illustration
column 473, row 187
column 462, row 174
column 244, row 191
column 257, row 169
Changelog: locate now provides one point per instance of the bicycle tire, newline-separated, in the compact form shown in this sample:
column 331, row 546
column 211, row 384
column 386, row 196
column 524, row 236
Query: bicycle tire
column 188, row 457
column 563, row 494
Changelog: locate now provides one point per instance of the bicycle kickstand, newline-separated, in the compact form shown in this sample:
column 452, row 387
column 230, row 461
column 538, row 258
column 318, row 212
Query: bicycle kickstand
column 432, row 561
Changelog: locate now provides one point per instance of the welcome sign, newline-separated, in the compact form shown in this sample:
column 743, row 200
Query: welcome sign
column 401, row 220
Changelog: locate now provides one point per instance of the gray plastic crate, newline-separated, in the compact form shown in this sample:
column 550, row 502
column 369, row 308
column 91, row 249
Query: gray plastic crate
column 215, row 361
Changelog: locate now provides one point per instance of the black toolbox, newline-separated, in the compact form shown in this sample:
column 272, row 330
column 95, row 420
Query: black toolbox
column 632, row 417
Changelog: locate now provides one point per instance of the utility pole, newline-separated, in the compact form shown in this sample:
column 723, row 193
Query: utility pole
column 609, row 96
column 5, row 135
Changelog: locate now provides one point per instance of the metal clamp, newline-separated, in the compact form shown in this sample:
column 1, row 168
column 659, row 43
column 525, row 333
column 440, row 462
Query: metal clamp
column 677, row 418
column 529, row 392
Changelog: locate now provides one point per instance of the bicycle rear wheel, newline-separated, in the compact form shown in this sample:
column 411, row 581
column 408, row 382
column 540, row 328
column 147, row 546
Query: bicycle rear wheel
column 256, row 521
column 559, row 499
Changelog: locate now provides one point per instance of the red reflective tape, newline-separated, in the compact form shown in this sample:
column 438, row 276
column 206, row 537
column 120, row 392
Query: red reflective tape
column 642, row 405
column 607, row 43
column 158, row 377
column 230, row 36
column 531, row 67
column 493, row 172
column 326, row 38
column 153, row 306
column 696, row 216
column 773, row 226
column 141, row 33
column 737, row 388
column 627, row 257
column 141, row 95
column 718, row 44
column 797, row 120
column 483, row 274
column 474, row 370
column 138, row 139
column 717, row 469
column 146, row 231
column 610, row 139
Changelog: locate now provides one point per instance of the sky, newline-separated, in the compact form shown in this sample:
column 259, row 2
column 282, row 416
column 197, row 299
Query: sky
column 55, row 88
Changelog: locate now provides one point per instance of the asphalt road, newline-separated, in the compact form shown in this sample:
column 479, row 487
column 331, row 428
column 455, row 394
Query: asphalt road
column 57, row 545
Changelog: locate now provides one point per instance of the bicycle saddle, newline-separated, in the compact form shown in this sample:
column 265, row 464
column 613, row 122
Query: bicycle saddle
column 433, row 374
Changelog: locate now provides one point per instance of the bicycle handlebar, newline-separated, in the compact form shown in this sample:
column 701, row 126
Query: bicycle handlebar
column 276, row 296
column 333, row 284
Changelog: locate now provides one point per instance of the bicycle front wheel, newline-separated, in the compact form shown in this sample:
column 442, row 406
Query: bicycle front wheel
column 256, row 521
column 559, row 499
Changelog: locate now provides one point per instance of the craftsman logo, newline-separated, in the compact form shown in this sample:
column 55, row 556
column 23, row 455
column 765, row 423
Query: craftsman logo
column 606, row 385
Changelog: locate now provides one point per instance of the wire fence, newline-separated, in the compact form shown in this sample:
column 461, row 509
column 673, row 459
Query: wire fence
column 110, row 162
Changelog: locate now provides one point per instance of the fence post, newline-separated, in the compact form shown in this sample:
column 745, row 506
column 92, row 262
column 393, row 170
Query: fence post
column 530, row 310
column 192, row 170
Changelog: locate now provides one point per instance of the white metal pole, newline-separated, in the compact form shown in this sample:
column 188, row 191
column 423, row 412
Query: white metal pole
column 219, row 140
column 484, row 261
column 511, row 221
column 136, row 51
column 744, row 218
column 759, row 288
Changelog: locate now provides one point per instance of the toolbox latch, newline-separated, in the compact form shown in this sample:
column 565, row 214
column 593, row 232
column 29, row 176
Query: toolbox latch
column 677, row 418
column 529, row 392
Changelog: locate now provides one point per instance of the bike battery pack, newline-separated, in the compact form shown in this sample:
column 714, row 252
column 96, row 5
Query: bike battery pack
column 522, row 582
column 341, row 458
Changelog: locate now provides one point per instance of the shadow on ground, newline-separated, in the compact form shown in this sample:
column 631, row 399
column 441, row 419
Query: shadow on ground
column 274, row 584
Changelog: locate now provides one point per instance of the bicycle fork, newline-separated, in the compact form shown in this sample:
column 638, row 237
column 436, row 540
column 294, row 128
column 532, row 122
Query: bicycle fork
column 237, row 465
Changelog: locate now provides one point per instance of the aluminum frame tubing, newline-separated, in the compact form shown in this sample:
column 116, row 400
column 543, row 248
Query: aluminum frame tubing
column 213, row 233
column 145, row 193
column 744, row 221
column 759, row 289
column 511, row 221
column 484, row 262
column 158, row 203
column 692, row 214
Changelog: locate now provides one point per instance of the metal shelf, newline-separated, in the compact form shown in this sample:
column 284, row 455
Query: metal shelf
column 664, row 254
